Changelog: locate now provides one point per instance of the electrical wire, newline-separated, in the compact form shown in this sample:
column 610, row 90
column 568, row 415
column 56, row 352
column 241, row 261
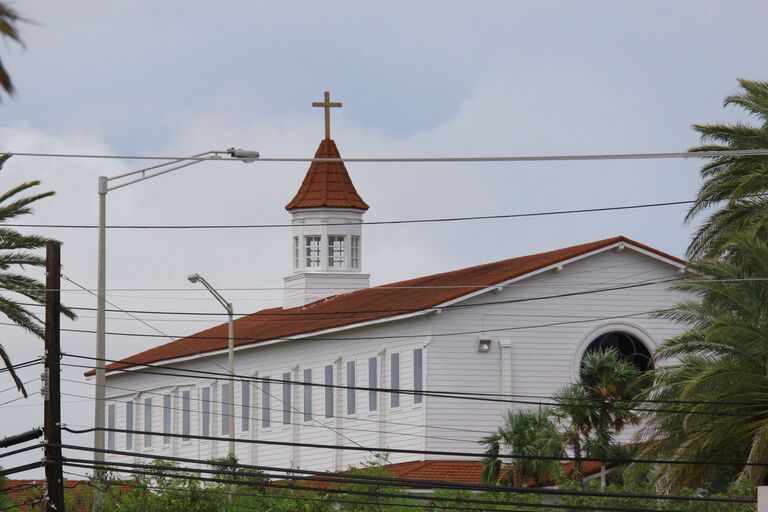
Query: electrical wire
column 240, row 377
column 304, row 497
column 322, row 476
column 425, row 393
column 385, row 288
column 403, row 496
column 21, row 450
column 410, row 451
column 342, row 480
column 299, row 497
column 18, row 366
column 273, row 409
column 685, row 155
column 20, row 469
column 19, row 398
column 189, row 349
column 10, row 388
column 358, row 338
column 363, row 223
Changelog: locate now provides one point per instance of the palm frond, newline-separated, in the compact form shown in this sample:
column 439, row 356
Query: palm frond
column 733, row 186
column 12, row 372
column 8, row 20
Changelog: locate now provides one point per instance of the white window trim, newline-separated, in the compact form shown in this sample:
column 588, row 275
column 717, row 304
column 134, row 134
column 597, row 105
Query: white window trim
column 320, row 252
column 633, row 329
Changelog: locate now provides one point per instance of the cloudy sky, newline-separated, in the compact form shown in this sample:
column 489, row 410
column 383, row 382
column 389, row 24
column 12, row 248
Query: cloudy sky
column 430, row 78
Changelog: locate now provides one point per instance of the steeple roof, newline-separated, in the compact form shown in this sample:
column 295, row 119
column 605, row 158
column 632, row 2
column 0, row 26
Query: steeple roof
column 327, row 184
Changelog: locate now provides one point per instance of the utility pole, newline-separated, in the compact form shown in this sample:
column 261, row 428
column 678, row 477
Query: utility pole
column 52, row 425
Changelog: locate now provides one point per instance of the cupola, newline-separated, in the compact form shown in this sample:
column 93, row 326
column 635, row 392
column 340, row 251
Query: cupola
column 327, row 214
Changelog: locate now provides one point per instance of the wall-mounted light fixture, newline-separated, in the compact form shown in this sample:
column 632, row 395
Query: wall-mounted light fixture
column 484, row 345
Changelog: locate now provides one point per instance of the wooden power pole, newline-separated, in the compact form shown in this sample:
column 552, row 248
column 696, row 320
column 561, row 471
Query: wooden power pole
column 52, row 422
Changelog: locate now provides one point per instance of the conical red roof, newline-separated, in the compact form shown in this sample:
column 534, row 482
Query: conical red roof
column 327, row 184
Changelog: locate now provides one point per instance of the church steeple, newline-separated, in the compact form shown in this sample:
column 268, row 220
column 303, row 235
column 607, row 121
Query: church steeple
column 327, row 215
column 327, row 184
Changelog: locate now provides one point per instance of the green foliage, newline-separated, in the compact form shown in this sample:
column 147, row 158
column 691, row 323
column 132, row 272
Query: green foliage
column 176, row 491
column 644, row 487
column 8, row 20
column 171, row 491
column 230, row 471
column 598, row 407
column 587, row 416
column 527, row 433
column 15, row 252
column 5, row 501
column 733, row 186
column 721, row 358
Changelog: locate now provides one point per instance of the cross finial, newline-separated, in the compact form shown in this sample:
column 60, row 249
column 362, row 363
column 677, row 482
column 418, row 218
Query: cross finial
column 327, row 106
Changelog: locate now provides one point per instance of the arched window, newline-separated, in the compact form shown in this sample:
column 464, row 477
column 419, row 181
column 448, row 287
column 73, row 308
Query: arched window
column 628, row 346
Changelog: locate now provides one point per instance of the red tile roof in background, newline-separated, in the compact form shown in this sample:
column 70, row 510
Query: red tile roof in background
column 463, row 471
column 448, row 471
column 369, row 304
column 327, row 184
column 27, row 494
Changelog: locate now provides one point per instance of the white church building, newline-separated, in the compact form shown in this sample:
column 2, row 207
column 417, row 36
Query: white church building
column 383, row 368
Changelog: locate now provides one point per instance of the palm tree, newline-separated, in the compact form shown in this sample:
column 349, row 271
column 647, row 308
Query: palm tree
column 8, row 20
column 527, row 433
column 612, row 384
column 735, row 187
column 15, row 250
column 718, row 369
column 576, row 416
column 598, row 407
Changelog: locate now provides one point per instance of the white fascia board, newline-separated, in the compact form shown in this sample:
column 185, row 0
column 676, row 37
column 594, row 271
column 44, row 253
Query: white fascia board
column 425, row 311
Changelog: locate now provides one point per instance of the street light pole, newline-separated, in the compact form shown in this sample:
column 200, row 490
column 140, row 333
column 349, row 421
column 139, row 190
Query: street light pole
column 124, row 180
column 194, row 278
column 101, row 306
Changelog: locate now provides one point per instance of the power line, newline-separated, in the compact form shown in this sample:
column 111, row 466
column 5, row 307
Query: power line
column 299, row 497
column 353, row 492
column 19, row 366
column 411, row 451
column 391, row 286
column 21, row 450
column 304, row 497
column 19, row 469
column 344, row 480
column 240, row 377
column 364, row 223
column 323, row 476
column 685, row 155
column 254, row 420
column 449, row 307
column 435, row 394
column 357, row 338
column 19, row 398
column 189, row 349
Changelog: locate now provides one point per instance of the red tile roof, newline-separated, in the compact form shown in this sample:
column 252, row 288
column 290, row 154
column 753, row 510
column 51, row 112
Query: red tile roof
column 375, row 303
column 26, row 494
column 463, row 471
column 449, row 471
column 327, row 184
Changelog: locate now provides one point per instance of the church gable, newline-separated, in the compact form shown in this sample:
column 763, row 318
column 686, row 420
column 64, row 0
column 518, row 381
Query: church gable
column 383, row 303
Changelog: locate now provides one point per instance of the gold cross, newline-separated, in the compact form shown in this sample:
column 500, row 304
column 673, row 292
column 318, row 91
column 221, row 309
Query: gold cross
column 327, row 106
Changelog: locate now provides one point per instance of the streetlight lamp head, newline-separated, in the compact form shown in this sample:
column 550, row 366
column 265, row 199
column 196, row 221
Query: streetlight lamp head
column 245, row 155
column 193, row 278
